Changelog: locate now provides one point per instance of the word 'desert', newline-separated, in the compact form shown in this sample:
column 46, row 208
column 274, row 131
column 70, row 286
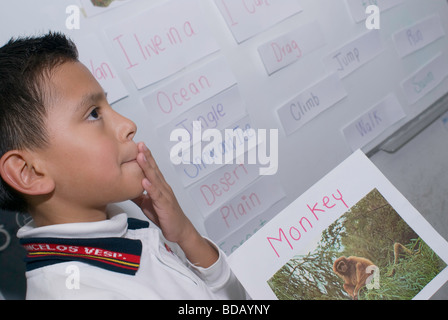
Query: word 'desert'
column 211, row 153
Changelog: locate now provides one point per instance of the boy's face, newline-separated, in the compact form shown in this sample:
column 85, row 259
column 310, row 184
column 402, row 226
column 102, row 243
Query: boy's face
column 91, row 155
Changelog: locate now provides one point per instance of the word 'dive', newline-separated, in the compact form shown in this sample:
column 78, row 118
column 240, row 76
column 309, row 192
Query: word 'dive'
column 253, row 143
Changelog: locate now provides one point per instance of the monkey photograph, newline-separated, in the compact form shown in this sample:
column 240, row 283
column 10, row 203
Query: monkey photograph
column 368, row 253
column 353, row 270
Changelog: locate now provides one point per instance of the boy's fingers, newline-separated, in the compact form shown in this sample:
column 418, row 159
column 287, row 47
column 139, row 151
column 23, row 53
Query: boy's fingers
column 139, row 200
column 152, row 162
column 145, row 203
column 147, row 153
column 150, row 173
column 149, row 159
column 153, row 183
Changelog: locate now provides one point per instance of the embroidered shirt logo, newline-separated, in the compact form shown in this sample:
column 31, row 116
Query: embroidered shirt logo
column 48, row 252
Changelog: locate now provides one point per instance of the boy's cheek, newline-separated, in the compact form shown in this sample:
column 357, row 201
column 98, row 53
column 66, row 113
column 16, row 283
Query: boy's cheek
column 137, row 190
column 138, row 180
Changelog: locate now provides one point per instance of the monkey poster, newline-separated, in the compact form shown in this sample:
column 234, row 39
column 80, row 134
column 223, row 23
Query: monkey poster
column 352, row 236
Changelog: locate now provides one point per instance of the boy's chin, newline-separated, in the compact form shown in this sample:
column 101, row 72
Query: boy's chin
column 135, row 194
column 131, row 193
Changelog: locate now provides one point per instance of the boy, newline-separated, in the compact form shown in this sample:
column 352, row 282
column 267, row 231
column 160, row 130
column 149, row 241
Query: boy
column 65, row 154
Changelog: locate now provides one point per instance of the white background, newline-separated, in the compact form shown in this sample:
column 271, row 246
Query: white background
column 309, row 153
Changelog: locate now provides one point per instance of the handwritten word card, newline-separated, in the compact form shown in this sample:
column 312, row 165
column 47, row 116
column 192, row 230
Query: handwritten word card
column 248, row 18
column 162, row 41
column 93, row 56
column 217, row 112
column 355, row 54
column 236, row 239
column 374, row 122
column 222, row 185
column 426, row 79
column 199, row 166
column 310, row 103
column 181, row 94
column 358, row 7
column 418, row 36
column 239, row 210
column 288, row 48
column 293, row 256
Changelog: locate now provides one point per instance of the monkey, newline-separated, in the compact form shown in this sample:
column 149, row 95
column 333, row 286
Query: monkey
column 398, row 249
column 353, row 271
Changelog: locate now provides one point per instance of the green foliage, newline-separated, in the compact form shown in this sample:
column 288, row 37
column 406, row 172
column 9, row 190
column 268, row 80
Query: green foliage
column 372, row 228
column 412, row 274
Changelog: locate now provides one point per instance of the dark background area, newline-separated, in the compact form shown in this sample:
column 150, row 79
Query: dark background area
column 12, row 267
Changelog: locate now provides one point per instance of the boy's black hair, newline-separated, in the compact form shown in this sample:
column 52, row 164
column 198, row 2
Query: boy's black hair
column 25, row 67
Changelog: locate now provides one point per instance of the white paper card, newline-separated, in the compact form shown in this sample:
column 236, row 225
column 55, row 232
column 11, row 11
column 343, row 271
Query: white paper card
column 290, row 47
column 197, row 167
column 418, row 36
column 222, row 185
column 217, row 112
column 161, row 41
column 352, row 211
column 236, row 212
column 310, row 103
column 358, row 7
column 248, row 18
column 425, row 79
column 93, row 56
column 233, row 241
column 355, row 54
column 374, row 122
column 178, row 96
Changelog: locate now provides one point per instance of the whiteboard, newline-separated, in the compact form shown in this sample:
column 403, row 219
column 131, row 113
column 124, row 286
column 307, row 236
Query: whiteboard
column 307, row 153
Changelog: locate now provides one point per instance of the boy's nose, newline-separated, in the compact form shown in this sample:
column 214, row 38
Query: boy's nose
column 126, row 128
column 132, row 131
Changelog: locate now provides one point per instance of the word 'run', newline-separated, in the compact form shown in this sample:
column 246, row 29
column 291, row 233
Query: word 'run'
column 294, row 233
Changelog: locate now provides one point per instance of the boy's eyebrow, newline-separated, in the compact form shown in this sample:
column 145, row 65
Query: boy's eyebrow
column 91, row 98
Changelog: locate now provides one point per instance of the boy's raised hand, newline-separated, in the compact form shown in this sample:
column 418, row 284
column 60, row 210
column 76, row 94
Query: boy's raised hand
column 161, row 207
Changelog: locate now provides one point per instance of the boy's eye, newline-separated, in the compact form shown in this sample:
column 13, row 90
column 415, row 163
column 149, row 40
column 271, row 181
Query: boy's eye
column 94, row 115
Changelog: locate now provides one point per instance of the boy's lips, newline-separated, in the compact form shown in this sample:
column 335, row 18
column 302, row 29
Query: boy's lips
column 130, row 156
column 130, row 161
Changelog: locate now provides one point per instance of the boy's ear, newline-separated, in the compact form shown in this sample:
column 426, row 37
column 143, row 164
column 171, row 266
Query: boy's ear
column 19, row 170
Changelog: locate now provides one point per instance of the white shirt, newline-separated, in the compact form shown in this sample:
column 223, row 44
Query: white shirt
column 106, row 272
